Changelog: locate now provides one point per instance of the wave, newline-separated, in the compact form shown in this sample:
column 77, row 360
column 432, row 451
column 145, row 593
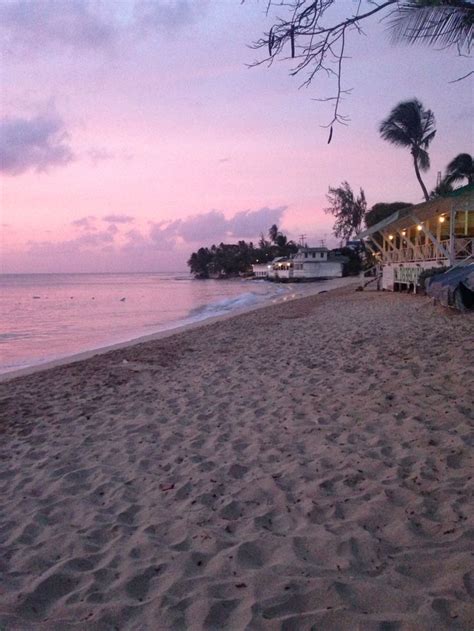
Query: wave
column 222, row 307
column 8, row 337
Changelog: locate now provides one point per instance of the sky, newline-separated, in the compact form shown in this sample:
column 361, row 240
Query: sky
column 132, row 132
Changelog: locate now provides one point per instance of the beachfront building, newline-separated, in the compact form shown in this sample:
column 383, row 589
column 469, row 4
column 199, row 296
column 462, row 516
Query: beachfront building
column 314, row 263
column 281, row 269
column 306, row 265
column 261, row 270
column 434, row 234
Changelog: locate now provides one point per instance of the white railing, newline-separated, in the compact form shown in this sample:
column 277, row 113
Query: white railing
column 463, row 247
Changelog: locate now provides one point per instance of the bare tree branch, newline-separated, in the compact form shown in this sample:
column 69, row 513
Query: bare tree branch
column 463, row 77
column 307, row 37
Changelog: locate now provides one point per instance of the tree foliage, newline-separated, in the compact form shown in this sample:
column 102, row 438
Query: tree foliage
column 435, row 23
column 461, row 167
column 308, row 32
column 348, row 210
column 410, row 125
column 382, row 210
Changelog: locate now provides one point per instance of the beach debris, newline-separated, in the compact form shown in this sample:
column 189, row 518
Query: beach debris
column 124, row 361
column 240, row 585
column 166, row 487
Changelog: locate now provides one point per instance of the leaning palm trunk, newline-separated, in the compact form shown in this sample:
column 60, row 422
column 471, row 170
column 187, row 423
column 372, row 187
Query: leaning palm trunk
column 418, row 175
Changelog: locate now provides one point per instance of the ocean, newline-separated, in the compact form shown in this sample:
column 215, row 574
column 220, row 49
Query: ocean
column 44, row 317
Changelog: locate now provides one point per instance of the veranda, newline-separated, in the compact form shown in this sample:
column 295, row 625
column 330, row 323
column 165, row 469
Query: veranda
column 437, row 233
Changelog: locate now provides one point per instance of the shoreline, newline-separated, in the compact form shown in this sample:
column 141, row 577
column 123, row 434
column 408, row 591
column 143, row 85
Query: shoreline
column 303, row 465
column 167, row 332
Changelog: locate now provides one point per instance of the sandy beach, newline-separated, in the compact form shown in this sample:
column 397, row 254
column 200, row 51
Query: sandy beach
column 306, row 466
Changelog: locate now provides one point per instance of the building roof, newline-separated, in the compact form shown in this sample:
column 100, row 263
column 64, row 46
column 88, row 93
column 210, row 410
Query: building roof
column 305, row 248
column 459, row 199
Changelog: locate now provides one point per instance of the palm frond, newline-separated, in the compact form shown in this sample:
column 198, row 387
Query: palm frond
column 462, row 166
column 409, row 124
column 394, row 133
column 427, row 139
column 443, row 23
column 423, row 160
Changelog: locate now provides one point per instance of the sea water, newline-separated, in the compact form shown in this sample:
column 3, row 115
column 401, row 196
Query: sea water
column 44, row 317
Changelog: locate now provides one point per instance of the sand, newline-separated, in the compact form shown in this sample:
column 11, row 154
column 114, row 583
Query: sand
column 304, row 466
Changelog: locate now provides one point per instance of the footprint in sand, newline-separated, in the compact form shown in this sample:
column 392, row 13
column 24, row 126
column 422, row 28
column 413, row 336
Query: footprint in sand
column 249, row 555
column 219, row 613
column 37, row 603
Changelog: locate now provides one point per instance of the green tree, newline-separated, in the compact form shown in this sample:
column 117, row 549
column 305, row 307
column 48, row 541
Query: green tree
column 232, row 259
column 262, row 242
column 199, row 262
column 284, row 247
column 273, row 233
column 382, row 210
column 348, row 210
column 443, row 188
column 410, row 125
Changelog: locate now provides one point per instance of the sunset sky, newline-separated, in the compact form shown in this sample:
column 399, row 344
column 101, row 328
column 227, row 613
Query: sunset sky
column 132, row 132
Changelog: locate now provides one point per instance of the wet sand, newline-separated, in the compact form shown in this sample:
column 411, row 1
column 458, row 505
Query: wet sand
column 303, row 466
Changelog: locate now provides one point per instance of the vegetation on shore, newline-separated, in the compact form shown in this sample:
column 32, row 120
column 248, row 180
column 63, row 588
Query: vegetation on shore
column 348, row 209
column 234, row 259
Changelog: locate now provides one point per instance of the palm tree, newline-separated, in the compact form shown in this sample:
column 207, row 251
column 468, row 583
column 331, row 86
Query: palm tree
column 442, row 23
column 443, row 188
column 273, row 233
column 410, row 125
column 461, row 167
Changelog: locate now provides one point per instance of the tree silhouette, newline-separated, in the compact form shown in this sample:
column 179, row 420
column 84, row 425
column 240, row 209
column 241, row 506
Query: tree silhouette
column 460, row 168
column 433, row 23
column 305, row 31
column 410, row 125
column 273, row 233
column 348, row 210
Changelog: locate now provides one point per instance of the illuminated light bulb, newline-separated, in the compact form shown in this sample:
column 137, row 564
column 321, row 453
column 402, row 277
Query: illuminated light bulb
column 390, row 236
column 419, row 227
column 404, row 233
column 442, row 219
